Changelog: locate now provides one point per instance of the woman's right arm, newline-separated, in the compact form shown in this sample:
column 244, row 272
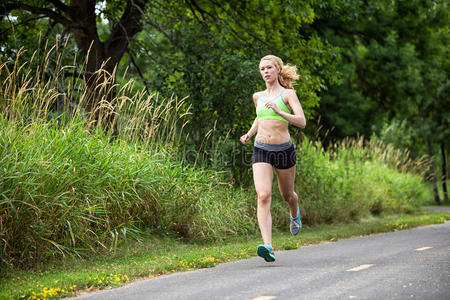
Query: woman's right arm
column 246, row 137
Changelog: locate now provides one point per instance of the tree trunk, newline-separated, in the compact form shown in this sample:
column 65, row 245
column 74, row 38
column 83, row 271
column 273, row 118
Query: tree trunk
column 432, row 172
column 444, row 172
column 102, row 58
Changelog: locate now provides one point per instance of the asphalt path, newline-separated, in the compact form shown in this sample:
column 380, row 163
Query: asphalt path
column 407, row 264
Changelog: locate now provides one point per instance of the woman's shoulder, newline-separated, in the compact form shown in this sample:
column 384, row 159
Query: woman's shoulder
column 290, row 95
column 257, row 95
column 288, row 91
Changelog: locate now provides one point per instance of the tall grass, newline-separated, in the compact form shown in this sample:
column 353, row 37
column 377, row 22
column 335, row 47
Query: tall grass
column 69, row 190
column 356, row 179
column 70, row 186
column 361, row 149
column 40, row 88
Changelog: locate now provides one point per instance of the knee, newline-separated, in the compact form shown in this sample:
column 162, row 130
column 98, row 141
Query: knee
column 289, row 196
column 264, row 197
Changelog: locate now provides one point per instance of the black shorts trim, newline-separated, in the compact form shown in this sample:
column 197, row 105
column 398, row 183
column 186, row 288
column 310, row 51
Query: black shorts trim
column 284, row 159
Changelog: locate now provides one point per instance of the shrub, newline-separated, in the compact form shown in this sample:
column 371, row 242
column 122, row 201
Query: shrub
column 343, row 186
column 67, row 190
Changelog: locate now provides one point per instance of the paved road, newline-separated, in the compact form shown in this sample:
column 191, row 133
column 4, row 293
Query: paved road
column 399, row 265
column 441, row 208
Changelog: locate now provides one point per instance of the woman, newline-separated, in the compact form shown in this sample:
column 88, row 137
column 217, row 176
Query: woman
column 276, row 107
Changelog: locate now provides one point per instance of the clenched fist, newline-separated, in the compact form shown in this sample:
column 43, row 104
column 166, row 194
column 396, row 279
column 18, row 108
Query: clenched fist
column 245, row 138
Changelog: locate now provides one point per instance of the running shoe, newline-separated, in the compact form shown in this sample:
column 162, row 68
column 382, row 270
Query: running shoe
column 266, row 252
column 296, row 223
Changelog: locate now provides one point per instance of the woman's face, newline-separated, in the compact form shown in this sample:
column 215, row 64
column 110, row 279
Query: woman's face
column 268, row 70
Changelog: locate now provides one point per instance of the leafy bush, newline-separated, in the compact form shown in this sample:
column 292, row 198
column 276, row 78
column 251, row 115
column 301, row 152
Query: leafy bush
column 66, row 190
column 343, row 186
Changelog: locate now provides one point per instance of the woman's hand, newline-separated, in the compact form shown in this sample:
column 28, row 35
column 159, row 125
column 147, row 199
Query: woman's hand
column 274, row 107
column 245, row 138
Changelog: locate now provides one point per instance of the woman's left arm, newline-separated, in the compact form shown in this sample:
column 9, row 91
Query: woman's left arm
column 298, row 118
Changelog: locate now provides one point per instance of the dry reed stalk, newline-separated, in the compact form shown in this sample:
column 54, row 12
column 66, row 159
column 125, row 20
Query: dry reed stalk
column 387, row 154
column 31, row 91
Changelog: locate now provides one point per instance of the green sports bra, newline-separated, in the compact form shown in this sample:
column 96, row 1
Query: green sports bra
column 264, row 113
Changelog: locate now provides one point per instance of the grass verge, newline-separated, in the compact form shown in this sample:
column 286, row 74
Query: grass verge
column 165, row 255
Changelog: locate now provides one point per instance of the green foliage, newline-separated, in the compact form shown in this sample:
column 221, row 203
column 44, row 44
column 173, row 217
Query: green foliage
column 401, row 136
column 69, row 187
column 212, row 57
column 395, row 64
column 351, row 182
column 42, row 35
column 65, row 190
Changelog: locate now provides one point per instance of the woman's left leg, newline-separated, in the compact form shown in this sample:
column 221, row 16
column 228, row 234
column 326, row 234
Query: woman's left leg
column 286, row 179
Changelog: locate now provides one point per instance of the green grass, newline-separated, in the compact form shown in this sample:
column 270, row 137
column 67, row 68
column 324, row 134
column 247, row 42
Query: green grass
column 441, row 193
column 430, row 194
column 350, row 182
column 68, row 191
column 163, row 255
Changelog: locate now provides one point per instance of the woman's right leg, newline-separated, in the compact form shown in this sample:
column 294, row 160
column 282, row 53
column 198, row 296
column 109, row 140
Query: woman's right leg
column 262, row 177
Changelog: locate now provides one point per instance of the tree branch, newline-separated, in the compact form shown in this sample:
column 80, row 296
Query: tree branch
column 59, row 5
column 22, row 23
column 128, row 26
column 202, row 12
column 44, row 11
column 248, row 31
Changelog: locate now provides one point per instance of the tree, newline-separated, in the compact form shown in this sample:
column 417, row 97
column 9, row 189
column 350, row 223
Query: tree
column 211, row 54
column 395, row 65
column 205, row 49
column 209, row 51
column 207, row 36
column 80, row 19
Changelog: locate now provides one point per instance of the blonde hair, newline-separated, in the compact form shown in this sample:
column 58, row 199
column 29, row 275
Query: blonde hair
column 288, row 74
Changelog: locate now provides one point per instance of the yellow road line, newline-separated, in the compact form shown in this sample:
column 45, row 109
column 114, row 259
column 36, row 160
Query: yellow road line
column 423, row 248
column 361, row 267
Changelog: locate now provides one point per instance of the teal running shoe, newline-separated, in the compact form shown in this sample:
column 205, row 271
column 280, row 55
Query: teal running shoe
column 266, row 252
column 296, row 223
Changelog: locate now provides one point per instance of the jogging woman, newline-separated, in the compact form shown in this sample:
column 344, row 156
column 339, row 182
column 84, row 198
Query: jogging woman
column 276, row 107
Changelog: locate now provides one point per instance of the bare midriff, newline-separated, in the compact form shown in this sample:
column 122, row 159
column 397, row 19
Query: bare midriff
column 272, row 132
